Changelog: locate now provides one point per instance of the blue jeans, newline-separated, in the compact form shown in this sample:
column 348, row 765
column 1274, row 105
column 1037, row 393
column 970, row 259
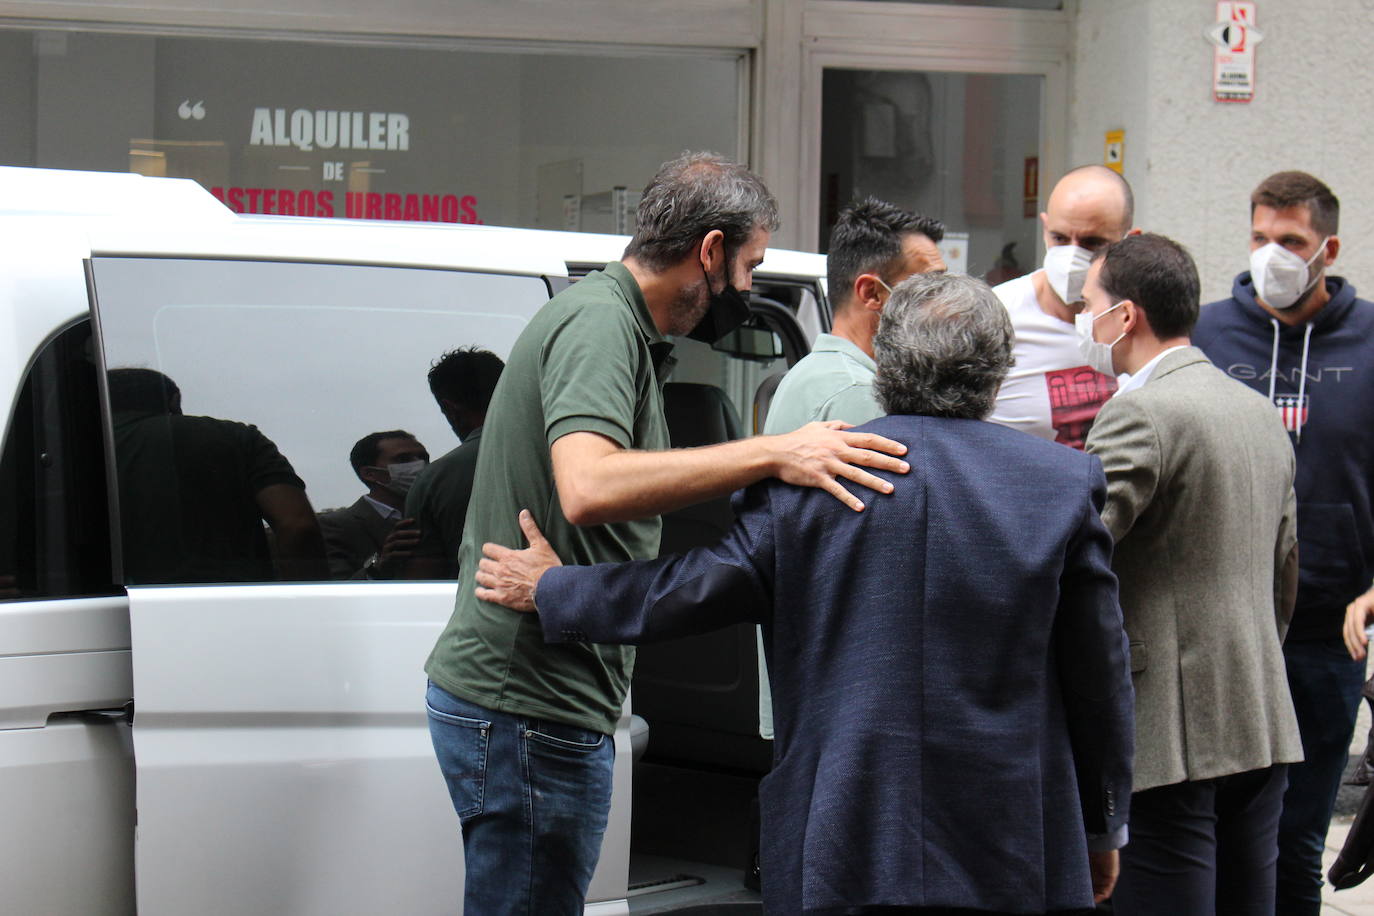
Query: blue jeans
column 1325, row 683
column 533, row 798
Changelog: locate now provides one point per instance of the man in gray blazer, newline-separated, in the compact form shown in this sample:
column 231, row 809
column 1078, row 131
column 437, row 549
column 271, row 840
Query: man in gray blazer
column 1200, row 502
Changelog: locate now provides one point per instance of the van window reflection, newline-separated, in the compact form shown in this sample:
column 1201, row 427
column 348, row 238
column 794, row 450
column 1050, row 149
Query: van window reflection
column 194, row 493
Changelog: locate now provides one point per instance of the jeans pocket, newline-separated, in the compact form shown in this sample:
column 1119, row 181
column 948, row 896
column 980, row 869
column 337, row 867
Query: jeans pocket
column 460, row 743
column 567, row 738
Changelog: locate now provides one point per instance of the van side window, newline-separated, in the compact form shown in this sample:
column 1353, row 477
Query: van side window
column 54, row 510
column 246, row 399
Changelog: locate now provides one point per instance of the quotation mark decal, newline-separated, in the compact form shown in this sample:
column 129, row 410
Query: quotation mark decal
column 187, row 110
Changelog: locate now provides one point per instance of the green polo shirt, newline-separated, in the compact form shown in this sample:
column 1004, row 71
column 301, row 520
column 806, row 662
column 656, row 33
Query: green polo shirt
column 832, row 382
column 589, row 361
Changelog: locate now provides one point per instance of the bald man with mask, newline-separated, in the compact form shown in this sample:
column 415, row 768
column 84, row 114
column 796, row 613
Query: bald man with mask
column 1052, row 391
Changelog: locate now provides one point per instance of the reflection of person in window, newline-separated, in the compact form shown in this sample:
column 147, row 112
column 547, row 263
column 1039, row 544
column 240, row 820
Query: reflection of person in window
column 194, row 492
column 462, row 382
column 370, row 539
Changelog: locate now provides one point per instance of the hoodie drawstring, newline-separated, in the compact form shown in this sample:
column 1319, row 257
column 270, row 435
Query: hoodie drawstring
column 1302, row 372
column 1274, row 360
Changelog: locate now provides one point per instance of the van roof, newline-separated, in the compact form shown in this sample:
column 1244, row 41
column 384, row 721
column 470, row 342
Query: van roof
column 118, row 213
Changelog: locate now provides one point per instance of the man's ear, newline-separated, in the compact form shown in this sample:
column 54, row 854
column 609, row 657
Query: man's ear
column 1131, row 315
column 866, row 292
column 1333, row 248
column 712, row 248
column 1135, row 231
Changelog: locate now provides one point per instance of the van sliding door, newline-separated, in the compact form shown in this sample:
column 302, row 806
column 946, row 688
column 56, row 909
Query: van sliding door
column 283, row 757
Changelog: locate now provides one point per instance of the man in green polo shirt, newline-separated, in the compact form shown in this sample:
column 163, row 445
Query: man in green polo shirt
column 575, row 434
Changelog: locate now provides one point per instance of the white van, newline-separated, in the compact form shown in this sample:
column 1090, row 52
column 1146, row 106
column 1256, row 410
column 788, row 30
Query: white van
column 221, row 746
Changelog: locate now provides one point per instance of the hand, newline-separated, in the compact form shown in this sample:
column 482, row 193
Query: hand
column 398, row 547
column 509, row 577
column 1104, row 867
column 819, row 453
column 1358, row 614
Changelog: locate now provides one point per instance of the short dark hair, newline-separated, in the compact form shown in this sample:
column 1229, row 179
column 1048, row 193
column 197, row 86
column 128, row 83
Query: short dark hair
column 466, row 376
column 143, row 390
column 943, row 347
column 867, row 238
column 366, row 449
column 690, row 196
column 1158, row 275
column 1282, row 190
column 1127, row 196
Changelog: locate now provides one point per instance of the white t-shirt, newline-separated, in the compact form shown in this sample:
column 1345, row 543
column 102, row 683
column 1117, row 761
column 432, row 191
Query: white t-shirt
column 1050, row 391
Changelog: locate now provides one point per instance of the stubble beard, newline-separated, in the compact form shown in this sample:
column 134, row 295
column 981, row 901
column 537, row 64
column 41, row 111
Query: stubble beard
column 689, row 308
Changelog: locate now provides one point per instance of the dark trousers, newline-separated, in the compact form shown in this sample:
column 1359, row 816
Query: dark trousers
column 1203, row 847
column 1325, row 683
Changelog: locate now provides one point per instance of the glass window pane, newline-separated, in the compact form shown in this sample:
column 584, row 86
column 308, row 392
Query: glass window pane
column 962, row 147
column 280, row 369
column 538, row 138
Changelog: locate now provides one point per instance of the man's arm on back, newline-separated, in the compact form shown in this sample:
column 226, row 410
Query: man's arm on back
column 600, row 482
column 641, row 601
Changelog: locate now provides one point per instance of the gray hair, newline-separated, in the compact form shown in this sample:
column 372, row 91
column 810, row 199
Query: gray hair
column 690, row 196
column 943, row 347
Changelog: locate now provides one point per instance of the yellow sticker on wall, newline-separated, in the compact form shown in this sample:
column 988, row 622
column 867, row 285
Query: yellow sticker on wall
column 1114, row 153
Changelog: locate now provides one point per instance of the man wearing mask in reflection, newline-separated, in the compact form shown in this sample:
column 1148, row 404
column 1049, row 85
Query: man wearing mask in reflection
column 370, row 539
column 1052, row 391
column 1302, row 339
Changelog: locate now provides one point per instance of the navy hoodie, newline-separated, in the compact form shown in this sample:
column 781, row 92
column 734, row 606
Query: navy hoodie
column 1333, row 437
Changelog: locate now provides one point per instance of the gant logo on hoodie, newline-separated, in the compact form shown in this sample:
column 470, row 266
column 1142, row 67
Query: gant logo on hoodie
column 1293, row 410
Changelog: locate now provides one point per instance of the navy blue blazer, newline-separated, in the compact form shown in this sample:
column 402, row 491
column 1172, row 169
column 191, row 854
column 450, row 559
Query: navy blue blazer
column 951, row 682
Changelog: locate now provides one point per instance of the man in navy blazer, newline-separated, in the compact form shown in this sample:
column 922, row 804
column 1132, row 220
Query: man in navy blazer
column 950, row 674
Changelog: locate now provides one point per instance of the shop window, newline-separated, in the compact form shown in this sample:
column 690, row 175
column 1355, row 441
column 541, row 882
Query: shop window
column 54, row 520
column 234, row 383
column 543, row 138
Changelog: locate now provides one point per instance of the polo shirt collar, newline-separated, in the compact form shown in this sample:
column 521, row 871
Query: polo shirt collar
column 659, row 345
column 846, row 346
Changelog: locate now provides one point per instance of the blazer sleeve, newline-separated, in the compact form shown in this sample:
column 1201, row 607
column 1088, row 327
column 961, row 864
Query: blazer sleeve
column 1286, row 565
column 1124, row 439
column 650, row 600
column 1093, row 659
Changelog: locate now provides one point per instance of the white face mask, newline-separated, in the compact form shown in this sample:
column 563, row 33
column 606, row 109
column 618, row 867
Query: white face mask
column 1097, row 355
column 1281, row 277
column 1066, row 267
column 403, row 475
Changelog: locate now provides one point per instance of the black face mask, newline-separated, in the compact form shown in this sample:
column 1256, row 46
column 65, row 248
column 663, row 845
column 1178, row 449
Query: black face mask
column 728, row 310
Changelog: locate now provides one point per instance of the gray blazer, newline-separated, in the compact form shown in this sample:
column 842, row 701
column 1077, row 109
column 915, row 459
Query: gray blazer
column 1200, row 502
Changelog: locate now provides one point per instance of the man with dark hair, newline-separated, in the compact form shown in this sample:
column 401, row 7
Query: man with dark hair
column 873, row 247
column 194, row 493
column 1050, row 392
column 576, row 434
column 462, row 382
column 1302, row 338
column 370, row 539
column 893, row 637
column 1200, row 503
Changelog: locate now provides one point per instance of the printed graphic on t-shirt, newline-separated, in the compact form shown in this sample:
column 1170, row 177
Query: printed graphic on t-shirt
column 1076, row 395
column 1293, row 410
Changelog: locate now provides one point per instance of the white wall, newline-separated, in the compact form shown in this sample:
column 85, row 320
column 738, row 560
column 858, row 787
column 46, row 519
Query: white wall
column 1145, row 67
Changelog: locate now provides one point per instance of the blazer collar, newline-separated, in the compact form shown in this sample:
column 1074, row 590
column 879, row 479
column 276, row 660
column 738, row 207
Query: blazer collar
column 1176, row 360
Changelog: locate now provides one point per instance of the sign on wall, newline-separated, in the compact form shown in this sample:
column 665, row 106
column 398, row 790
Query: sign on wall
column 1233, row 61
column 1114, row 150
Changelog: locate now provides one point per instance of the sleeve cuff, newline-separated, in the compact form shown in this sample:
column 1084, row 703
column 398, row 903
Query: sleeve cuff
column 584, row 424
column 1106, row 842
